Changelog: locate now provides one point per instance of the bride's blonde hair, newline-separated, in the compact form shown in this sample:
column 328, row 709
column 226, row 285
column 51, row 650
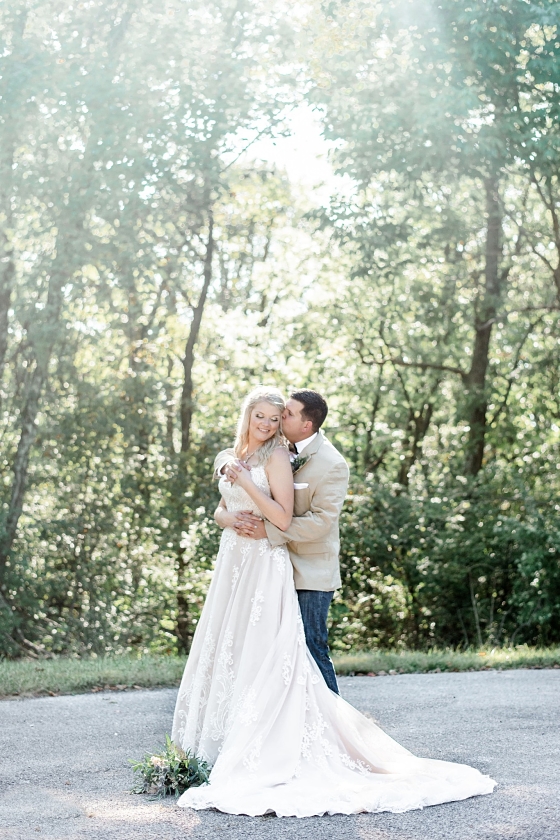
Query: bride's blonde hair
column 263, row 453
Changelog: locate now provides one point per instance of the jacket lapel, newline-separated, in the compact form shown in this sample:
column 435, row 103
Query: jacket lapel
column 311, row 449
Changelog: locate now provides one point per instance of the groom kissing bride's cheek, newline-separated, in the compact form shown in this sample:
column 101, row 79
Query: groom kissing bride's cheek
column 312, row 537
column 259, row 698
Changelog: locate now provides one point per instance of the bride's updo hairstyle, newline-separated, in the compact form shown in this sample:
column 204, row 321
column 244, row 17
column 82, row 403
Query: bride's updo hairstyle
column 263, row 453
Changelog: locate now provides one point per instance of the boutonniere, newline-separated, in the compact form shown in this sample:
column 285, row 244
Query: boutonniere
column 299, row 461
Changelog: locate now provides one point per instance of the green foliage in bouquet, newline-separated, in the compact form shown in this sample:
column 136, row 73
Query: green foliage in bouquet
column 170, row 772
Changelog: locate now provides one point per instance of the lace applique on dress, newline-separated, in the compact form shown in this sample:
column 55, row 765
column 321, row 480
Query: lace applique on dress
column 256, row 609
column 355, row 764
column 312, row 732
column 305, row 672
column 246, row 545
column 252, row 759
column 315, row 747
column 300, row 631
column 268, row 718
column 229, row 539
column 279, row 555
column 236, row 498
column 287, row 669
column 225, row 676
column 191, row 723
column 248, row 707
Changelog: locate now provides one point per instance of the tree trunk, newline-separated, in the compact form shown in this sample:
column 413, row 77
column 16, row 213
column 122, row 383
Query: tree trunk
column 184, row 629
column 12, row 92
column 369, row 463
column 169, row 407
column 418, row 425
column 188, row 358
column 43, row 339
column 6, row 286
column 11, row 95
column 476, row 378
column 44, row 331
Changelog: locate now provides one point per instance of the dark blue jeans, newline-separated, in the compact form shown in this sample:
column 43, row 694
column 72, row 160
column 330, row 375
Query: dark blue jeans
column 314, row 608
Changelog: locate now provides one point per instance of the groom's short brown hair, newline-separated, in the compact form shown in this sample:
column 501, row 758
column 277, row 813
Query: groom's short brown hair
column 314, row 407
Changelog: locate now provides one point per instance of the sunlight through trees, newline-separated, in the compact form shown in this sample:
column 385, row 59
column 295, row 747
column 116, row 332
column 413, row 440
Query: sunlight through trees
column 153, row 271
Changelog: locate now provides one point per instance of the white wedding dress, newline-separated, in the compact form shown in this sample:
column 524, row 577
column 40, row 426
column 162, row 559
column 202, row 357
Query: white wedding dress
column 254, row 704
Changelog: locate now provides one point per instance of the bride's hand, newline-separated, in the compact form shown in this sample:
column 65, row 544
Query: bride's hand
column 234, row 469
column 243, row 475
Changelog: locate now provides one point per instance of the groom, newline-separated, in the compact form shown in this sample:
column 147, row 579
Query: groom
column 320, row 484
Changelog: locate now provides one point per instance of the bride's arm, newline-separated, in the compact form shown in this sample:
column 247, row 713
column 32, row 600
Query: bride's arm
column 231, row 519
column 222, row 516
column 278, row 509
column 221, row 460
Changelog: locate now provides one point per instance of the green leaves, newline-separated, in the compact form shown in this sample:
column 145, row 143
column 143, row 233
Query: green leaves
column 170, row 772
column 422, row 300
column 120, row 133
column 460, row 569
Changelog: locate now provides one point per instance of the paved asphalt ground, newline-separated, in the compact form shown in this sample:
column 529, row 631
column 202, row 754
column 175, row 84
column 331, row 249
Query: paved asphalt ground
column 64, row 773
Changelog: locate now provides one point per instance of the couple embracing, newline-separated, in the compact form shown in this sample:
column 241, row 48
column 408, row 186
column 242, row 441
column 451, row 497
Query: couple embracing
column 259, row 699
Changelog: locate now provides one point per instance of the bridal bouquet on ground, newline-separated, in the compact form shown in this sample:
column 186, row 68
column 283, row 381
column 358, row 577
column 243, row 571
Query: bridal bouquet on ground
column 170, row 772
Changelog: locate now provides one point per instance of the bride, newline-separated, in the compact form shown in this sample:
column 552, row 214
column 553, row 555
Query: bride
column 253, row 702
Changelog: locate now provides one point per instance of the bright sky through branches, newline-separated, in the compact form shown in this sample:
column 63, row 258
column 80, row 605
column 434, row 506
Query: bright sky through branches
column 304, row 154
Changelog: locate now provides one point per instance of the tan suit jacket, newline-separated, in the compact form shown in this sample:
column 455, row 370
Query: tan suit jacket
column 313, row 537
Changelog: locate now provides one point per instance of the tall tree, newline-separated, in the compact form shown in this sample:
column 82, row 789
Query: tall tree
column 439, row 96
column 138, row 117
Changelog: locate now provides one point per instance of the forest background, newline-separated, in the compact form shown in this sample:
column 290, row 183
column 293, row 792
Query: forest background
column 153, row 269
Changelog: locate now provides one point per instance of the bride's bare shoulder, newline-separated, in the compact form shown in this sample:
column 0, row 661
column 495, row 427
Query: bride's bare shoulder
column 279, row 456
column 280, row 452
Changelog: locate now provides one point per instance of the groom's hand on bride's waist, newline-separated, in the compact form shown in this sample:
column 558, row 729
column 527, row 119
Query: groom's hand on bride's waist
column 249, row 525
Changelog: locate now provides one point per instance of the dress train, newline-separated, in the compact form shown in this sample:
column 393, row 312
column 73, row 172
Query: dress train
column 254, row 704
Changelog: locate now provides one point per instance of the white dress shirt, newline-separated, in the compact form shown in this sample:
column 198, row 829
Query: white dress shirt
column 301, row 444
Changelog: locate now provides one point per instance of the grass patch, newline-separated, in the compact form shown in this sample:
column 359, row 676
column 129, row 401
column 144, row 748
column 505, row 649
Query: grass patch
column 27, row 678
column 436, row 661
column 35, row 678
